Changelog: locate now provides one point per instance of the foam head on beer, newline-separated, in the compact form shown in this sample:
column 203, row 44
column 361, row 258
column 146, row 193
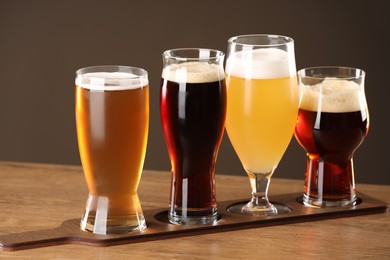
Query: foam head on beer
column 336, row 95
column 193, row 72
column 267, row 63
column 111, row 81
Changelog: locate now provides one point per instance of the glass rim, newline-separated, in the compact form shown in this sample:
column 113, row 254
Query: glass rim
column 358, row 72
column 113, row 68
column 168, row 54
column 102, row 77
column 233, row 40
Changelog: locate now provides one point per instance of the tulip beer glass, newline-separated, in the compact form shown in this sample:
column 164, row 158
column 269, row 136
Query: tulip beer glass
column 112, row 119
column 193, row 110
column 262, row 110
column 332, row 122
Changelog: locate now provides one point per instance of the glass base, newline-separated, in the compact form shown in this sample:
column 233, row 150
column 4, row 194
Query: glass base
column 328, row 203
column 198, row 217
column 249, row 210
column 113, row 225
column 101, row 217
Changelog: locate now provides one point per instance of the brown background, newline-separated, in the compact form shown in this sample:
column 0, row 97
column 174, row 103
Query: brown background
column 42, row 44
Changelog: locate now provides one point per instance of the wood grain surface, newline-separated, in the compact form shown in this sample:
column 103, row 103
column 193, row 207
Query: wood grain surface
column 40, row 196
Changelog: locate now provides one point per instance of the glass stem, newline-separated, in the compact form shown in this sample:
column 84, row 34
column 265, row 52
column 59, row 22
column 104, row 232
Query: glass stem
column 259, row 184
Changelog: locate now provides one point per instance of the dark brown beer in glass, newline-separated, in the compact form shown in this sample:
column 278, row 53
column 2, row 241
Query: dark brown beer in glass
column 332, row 123
column 193, row 109
column 112, row 118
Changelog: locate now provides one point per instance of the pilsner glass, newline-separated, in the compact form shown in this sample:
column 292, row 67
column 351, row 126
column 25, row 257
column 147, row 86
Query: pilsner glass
column 193, row 111
column 262, row 110
column 112, row 119
column 332, row 122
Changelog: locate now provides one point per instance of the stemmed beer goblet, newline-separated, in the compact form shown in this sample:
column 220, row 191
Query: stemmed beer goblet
column 262, row 110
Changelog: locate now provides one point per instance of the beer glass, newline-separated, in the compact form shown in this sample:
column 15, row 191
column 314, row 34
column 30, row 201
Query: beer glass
column 112, row 119
column 332, row 122
column 262, row 108
column 193, row 110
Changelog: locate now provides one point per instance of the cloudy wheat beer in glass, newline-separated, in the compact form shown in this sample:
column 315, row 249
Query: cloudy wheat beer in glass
column 112, row 119
column 333, row 121
column 193, row 109
column 262, row 108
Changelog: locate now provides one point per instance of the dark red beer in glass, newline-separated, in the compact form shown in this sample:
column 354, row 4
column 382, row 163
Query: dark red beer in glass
column 332, row 123
column 330, row 149
column 193, row 110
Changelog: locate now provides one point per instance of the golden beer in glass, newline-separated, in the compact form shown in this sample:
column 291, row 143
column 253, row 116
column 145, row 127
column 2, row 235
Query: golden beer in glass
column 262, row 110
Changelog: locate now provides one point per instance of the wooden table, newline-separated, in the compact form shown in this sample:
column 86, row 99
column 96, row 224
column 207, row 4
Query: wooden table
column 42, row 196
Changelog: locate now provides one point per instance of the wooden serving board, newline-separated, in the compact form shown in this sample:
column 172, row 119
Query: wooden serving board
column 159, row 228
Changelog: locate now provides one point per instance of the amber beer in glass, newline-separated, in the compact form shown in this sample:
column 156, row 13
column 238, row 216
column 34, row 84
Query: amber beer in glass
column 193, row 108
column 332, row 122
column 112, row 119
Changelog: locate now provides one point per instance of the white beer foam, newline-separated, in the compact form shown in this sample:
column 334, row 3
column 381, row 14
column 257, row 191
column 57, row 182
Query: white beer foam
column 193, row 72
column 111, row 81
column 332, row 95
column 267, row 63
